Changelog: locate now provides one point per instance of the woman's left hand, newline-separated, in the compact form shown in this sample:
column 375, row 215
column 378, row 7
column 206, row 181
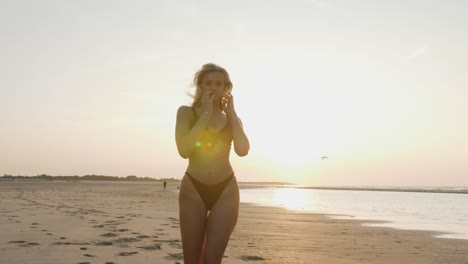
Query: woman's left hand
column 229, row 104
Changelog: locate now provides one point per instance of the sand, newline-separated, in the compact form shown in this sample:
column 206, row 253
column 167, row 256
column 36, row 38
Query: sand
column 114, row 222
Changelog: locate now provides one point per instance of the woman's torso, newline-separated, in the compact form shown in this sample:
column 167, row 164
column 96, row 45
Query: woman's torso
column 209, row 162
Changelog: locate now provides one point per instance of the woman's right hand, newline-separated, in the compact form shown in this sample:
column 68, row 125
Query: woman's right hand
column 207, row 103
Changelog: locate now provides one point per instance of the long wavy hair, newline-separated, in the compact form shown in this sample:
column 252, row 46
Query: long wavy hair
column 198, row 78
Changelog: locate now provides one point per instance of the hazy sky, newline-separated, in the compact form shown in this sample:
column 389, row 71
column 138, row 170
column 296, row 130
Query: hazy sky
column 380, row 87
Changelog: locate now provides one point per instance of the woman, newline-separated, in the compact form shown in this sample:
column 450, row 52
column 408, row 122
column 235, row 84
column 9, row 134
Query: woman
column 209, row 195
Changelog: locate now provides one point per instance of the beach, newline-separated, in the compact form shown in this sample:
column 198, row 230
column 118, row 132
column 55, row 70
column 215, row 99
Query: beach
column 135, row 222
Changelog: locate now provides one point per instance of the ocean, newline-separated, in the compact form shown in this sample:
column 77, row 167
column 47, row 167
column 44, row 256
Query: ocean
column 413, row 208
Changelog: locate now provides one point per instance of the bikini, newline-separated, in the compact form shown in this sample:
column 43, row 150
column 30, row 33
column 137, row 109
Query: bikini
column 210, row 193
column 208, row 139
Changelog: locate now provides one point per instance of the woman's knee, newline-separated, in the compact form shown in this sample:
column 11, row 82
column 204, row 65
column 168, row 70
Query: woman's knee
column 213, row 257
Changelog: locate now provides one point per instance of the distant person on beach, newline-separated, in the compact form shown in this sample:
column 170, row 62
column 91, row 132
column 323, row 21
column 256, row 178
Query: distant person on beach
column 209, row 194
column 165, row 184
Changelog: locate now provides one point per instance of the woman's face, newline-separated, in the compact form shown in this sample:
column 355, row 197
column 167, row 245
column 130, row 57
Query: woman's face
column 213, row 82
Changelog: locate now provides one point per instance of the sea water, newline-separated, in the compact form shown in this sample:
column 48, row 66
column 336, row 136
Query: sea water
column 445, row 213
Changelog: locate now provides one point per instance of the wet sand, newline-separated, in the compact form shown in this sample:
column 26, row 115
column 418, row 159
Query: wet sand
column 132, row 222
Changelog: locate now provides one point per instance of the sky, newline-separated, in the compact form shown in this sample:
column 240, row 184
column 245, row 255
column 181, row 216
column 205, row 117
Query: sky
column 379, row 87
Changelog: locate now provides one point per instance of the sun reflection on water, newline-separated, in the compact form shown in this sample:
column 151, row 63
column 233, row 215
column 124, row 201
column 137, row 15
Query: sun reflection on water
column 291, row 198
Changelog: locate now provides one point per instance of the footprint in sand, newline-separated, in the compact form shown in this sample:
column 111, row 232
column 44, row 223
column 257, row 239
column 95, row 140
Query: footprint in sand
column 112, row 222
column 173, row 243
column 126, row 240
column 250, row 258
column 109, row 235
column 178, row 256
column 23, row 244
column 121, row 230
column 155, row 247
column 103, row 243
column 127, row 253
column 176, row 245
column 17, row 241
column 133, row 215
column 61, row 243
column 173, row 218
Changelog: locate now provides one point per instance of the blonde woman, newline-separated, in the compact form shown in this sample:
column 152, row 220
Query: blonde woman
column 209, row 195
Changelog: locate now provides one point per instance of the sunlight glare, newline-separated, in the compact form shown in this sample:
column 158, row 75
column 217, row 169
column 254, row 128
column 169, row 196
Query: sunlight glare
column 291, row 198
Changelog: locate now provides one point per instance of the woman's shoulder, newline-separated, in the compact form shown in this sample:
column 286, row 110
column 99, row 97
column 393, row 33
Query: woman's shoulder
column 185, row 108
column 186, row 111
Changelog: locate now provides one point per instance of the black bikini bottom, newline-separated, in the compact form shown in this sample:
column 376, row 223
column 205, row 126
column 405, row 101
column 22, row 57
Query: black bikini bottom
column 209, row 192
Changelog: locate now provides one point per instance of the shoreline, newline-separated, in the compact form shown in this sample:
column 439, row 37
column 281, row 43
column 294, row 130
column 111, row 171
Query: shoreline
column 138, row 223
column 333, row 240
column 385, row 189
column 362, row 222
column 396, row 210
column 253, row 185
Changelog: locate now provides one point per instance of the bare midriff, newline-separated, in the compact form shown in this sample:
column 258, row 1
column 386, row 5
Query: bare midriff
column 211, row 166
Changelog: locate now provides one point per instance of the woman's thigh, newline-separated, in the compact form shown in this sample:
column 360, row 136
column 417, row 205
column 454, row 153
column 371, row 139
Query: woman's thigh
column 193, row 220
column 221, row 222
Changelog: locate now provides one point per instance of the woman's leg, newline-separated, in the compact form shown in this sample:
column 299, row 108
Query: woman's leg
column 193, row 217
column 221, row 222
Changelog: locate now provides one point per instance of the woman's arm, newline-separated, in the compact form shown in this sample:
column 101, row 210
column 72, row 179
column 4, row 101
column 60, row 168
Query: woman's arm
column 241, row 142
column 186, row 136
